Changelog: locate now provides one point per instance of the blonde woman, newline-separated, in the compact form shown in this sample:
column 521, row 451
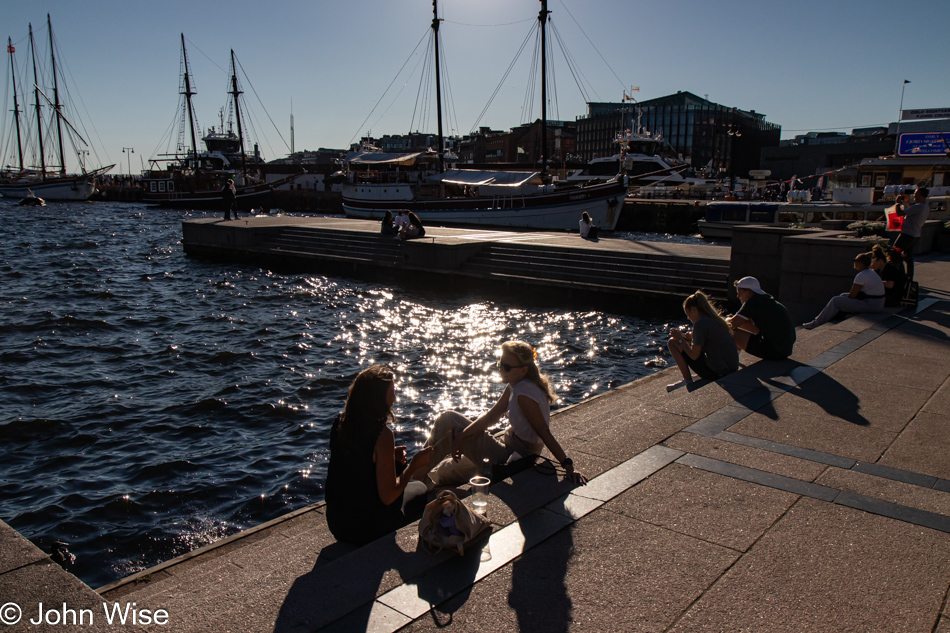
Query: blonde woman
column 526, row 399
column 709, row 350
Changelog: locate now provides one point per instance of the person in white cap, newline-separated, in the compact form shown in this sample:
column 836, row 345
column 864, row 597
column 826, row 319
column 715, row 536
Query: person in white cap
column 762, row 326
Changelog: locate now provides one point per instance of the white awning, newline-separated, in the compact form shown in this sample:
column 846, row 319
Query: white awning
column 380, row 158
column 474, row 177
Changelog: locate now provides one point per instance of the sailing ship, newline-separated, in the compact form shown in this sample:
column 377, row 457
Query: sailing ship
column 45, row 181
column 195, row 180
column 377, row 182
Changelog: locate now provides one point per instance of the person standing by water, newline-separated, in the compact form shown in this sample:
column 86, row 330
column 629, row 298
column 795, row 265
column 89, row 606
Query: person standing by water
column 709, row 350
column 229, row 199
column 527, row 399
column 762, row 326
column 369, row 487
column 914, row 218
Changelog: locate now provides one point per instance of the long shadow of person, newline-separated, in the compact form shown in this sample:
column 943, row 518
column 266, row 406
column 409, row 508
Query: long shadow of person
column 539, row 592
column 833, row 397
column 345, row 581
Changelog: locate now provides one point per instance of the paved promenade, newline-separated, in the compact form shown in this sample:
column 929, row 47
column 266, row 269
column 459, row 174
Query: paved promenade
column 806, row 495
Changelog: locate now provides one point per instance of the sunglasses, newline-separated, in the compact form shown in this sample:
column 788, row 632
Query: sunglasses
column 506, row 367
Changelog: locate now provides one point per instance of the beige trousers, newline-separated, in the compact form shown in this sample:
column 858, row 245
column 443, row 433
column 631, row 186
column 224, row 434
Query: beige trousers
column 476, row 450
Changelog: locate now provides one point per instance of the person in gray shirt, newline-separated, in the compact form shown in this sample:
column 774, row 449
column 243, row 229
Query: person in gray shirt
column 914, row 217
column 709, row 349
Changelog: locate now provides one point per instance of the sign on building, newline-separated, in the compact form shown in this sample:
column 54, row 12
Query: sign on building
column 929, row 113
column 924, row 144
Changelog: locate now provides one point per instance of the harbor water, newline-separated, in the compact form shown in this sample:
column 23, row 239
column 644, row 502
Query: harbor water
column 154, row 403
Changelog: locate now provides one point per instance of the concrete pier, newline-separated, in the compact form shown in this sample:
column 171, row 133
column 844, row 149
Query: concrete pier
column 811, row 494
column 544, row 261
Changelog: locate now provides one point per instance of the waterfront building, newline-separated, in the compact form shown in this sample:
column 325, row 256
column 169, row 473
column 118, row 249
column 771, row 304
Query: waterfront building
column 824, row 152
column 520, row 145
column 724, row 139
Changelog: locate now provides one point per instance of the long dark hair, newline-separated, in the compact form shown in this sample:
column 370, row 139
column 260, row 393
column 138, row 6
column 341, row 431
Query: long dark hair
column 366, row 412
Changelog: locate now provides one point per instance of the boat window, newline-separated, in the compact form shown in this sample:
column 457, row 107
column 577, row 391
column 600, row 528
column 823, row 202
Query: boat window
column 815, row 217
column 788, row 216
column 161, row 186
column 171, row 185
column 152, row 186
column 733, row 215
column 762, row 215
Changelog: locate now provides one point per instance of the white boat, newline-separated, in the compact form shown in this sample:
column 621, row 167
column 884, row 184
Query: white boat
column 389, row 182
column 417, row 182
column 47, row 181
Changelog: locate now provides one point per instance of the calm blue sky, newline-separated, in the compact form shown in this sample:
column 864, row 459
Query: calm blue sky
column 808, row 64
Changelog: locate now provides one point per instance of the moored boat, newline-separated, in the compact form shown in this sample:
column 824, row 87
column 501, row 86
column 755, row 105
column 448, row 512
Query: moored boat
column 419, row 182
column 195, row 180
column 49, row 181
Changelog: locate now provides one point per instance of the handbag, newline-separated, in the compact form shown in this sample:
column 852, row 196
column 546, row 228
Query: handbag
column 909, row 296
column 447, row 523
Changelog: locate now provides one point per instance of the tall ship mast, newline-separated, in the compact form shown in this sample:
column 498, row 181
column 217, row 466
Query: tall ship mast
column 45, row 180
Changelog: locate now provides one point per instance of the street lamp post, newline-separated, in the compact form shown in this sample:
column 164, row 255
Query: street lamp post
column 734, row 132
column 128, row 155
column 900, row 113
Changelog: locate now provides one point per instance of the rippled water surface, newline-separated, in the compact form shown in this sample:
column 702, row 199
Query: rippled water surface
column 153, row 403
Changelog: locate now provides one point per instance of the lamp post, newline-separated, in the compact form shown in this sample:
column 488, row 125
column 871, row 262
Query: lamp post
column 900, row 113
column 734, row 132
column 128, row 155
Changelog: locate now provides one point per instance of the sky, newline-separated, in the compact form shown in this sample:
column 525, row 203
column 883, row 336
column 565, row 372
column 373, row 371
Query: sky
column 808, row 65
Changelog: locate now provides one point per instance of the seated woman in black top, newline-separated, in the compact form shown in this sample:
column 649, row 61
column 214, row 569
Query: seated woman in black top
column 368, row 488
column 388, row 225
column 890, row 266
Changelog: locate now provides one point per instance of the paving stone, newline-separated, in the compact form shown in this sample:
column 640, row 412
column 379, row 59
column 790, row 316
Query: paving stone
column 859, row 322
column 939, row 403
column 372, row 618
column 829, row 568
column 762, row 478
column 711, row 507
column 743, row 455
column 607, row 573
column 922, row 447
column 819, row 433
column 904, row 343
column 817, row 342
column 892, row 372
column 851, row 399
column 48, row 583
column 787, row 449
column 718, row 421
column 622, row 438
column 888, row 490
column 896, row 474
column 826, row 359
column 415, row 598
column 700, row 401
column 16, row 551
column 895, row 511
column 627, row 474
